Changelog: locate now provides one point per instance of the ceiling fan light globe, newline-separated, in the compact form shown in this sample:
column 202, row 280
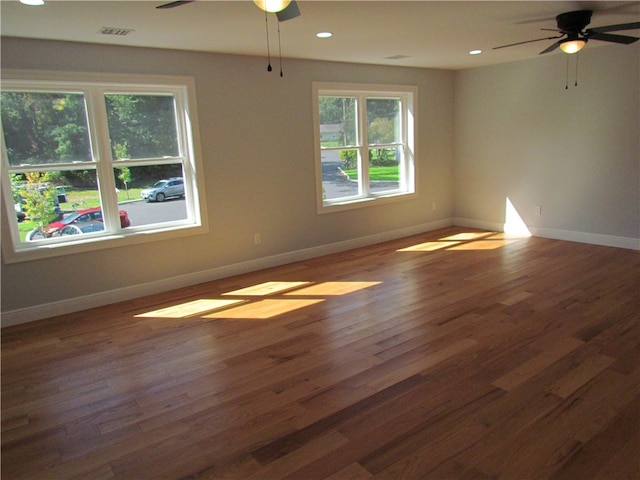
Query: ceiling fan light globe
column 572, row 46
column 272, row 6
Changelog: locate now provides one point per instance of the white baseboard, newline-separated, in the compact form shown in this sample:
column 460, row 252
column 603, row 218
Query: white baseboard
column 63, row 307
column 479, row 224
column 557, row 234
column 584, row 237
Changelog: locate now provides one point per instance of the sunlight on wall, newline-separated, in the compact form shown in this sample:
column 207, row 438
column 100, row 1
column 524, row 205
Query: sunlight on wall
column 513, row 223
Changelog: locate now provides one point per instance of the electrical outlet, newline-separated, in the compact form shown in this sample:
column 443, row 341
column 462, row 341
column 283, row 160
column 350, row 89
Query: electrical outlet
column 538, row 210
column 257, row 239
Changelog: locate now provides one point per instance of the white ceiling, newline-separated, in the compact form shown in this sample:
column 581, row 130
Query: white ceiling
column 429, row 33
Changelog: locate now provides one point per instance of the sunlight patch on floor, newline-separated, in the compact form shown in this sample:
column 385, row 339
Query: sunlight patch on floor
column 428, row 246
column 489, row 243
column 466, row 241
column 333, row 288
column 466, row 236
column 251, row 307
column 267, row 288
column 190, row 309
column 264, row 309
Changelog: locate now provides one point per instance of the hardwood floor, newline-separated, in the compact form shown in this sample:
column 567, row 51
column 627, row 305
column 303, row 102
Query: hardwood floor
column 452, row 354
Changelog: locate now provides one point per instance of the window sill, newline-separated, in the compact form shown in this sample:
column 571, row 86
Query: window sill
column 26, row 253
column 363, row 202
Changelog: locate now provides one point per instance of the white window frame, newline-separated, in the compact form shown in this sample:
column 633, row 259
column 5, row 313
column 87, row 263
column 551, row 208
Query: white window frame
column 409, row 126
column 94, row 87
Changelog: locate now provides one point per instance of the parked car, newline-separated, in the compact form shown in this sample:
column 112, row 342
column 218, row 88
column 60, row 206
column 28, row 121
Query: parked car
column 80, row 228
column 85, row 215
column 172, row 187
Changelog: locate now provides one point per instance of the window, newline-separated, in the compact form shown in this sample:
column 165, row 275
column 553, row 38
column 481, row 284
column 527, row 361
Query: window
column 365, row 148
column 113, row 159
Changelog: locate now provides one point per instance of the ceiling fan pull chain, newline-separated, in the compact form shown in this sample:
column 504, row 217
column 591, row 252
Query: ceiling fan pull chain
column 266, row 24
column 280, row 49
column 577, row 57
column 566, row 76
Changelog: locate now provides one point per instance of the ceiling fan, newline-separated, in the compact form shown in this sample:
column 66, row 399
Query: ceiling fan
column 573, row 36
column 289, row 11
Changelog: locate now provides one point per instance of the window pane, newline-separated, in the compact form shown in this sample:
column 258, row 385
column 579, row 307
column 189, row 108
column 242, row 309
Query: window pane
column 142, row 126
column 339, row 174
column 383, row 121
column 47, row 202
column 45, row 128
column 384, row 169
column 337, row 121
column 152, row 194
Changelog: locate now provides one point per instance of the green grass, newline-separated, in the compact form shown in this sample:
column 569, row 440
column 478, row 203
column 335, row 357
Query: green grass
column 377, row 173
column 90, row 198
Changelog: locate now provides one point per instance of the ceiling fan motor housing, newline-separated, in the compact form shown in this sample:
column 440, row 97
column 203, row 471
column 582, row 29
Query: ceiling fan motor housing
column 574, row 22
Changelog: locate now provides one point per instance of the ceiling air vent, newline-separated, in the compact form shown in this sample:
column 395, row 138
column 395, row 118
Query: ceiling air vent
column 115, row 31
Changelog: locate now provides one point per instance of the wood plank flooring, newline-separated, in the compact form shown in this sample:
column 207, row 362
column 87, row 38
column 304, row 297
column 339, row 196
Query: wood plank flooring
column 454, row 354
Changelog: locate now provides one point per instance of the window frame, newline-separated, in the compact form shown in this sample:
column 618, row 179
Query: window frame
column 409, row 122
column 95, row 87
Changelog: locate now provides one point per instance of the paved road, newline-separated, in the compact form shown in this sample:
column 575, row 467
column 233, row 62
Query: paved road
column 143, row 213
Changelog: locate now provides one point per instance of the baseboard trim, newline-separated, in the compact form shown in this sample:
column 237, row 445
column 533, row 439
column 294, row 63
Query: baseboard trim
column 557, row 234
column 584, row 237
column 67, row 306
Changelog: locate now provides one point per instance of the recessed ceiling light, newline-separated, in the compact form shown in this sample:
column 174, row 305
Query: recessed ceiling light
column 33, row 3
column 324, row 35
column 475, row 52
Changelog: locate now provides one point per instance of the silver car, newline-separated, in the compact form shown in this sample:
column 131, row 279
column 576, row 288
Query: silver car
column 172, row 187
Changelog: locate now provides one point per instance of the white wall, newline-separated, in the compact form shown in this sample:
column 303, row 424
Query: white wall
column 257, row 144
column 575, row 152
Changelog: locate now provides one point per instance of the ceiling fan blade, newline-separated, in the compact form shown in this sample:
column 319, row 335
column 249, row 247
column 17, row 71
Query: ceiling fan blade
column 291, row 11
column 527, row 41
column 607, row 37
column 616, row 28
column 176, row 3
column 551, row 47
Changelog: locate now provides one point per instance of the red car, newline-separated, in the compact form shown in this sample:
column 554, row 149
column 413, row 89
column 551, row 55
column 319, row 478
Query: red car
column 85, row 215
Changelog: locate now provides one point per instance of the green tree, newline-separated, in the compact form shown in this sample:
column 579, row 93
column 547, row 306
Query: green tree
column 382, row 131
column 124, row 174
column 39, row 198
column 44, row 128
column 144, row 124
